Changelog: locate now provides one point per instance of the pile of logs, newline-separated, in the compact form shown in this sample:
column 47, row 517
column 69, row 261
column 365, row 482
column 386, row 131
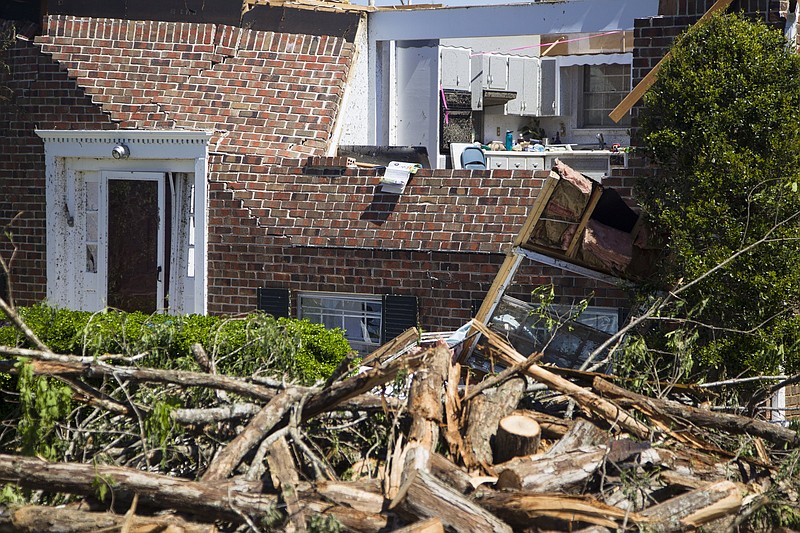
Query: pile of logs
column 463, row 455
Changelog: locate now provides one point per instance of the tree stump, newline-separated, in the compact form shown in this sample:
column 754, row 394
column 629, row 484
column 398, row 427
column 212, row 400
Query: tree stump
column 517, row 435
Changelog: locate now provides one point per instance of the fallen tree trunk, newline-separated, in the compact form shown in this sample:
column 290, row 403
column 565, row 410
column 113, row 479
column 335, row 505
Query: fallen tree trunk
column 540, row 473
column 675, row 411
column 484, row 414
column 223, row 500
column 693, row 509
column 44, row 519
column 423, row 496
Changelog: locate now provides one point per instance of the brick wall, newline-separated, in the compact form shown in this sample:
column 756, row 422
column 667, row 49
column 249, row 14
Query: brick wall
column 442, row 240
column 271, row 100
column 40, row 95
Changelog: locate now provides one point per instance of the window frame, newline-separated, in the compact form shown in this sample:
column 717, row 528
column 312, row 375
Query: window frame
column 583, row 92
column 361, row 345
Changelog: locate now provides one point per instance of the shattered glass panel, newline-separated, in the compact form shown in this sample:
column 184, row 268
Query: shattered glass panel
column 566, row 343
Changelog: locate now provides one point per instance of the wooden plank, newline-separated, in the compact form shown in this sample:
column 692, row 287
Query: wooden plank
column 538, row 208
column 650, row 78
column 597, row 191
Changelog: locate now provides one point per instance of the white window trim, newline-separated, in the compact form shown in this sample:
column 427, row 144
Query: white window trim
column 68, row 152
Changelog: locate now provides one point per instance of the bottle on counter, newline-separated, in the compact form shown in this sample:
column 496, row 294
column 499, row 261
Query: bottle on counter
column 509, row 140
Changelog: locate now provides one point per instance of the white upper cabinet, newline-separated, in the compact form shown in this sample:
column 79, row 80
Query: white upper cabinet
column 455, row 68
column 489, row 72
column 523, row 78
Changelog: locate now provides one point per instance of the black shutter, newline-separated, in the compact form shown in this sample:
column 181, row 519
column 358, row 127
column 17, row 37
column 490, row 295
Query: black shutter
column 274, row 302
column 399, row 314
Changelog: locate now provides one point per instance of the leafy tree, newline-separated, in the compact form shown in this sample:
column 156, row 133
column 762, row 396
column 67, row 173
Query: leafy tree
column 722, row 124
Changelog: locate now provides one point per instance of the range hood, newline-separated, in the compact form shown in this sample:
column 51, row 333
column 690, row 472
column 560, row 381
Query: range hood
column 497, row 97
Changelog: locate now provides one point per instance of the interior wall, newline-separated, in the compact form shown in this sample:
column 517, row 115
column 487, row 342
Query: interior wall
column 416, row 89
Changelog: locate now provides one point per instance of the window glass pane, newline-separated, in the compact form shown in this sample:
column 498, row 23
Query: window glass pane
column 92, row 193
column 604, row 87
column 358, row 317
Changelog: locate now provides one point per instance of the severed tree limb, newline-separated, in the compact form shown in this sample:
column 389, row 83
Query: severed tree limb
column 260, row 425
column 213, row 500
column 423, row 496
column 736, row 424
column 45, row 519
column 692, row 510
column 542, row 473
column 284, row 476
column 327, row 399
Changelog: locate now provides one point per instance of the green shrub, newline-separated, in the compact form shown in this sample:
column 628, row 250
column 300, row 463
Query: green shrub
column 258, row 343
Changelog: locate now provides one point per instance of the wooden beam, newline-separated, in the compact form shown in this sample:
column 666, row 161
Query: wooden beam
column 650, row 78
column 597, row 192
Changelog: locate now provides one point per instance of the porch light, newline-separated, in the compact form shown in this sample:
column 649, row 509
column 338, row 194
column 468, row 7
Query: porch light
column 121, row 151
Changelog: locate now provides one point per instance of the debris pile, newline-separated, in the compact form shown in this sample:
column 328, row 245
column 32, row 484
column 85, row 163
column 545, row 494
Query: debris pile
column 463, row 455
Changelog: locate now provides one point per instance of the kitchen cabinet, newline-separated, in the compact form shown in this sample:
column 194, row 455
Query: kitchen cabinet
column 514, row 161
column 489, row 73
column 454, row 68
column 548, row 88
column 523, row 78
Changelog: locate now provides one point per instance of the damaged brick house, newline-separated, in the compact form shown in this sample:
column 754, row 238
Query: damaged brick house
column 154, row 159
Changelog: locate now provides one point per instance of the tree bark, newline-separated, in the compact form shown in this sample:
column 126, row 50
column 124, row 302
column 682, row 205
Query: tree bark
column 44, row 519
column 422, row 496
column 223, row 500
column 517, row 435
column 550, row 474
column 693, row 509
column 739, row 425
column 485, row 412
column 425, row 398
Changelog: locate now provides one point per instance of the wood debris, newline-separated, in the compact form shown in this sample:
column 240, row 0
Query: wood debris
column 500, row 460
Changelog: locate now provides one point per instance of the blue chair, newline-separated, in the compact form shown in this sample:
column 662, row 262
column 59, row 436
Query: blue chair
column 473, row 158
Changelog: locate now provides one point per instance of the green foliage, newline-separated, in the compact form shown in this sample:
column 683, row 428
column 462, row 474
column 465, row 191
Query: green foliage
column 258, row 343
column 723, row 125
column 44, row 402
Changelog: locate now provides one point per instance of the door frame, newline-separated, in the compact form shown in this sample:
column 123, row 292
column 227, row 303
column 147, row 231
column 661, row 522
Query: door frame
column 68, row 154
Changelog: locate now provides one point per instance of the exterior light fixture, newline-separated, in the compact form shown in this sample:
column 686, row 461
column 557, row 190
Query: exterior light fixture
column 121, row 151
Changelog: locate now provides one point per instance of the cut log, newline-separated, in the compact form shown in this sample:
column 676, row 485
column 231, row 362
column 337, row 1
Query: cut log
column 485, row 412
column 422, row 496
column 44, row 519
column 517, row 435
column 740, row 425
column 693, row 509
column 540, row 473
column 431, row 525
column 258, row 428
